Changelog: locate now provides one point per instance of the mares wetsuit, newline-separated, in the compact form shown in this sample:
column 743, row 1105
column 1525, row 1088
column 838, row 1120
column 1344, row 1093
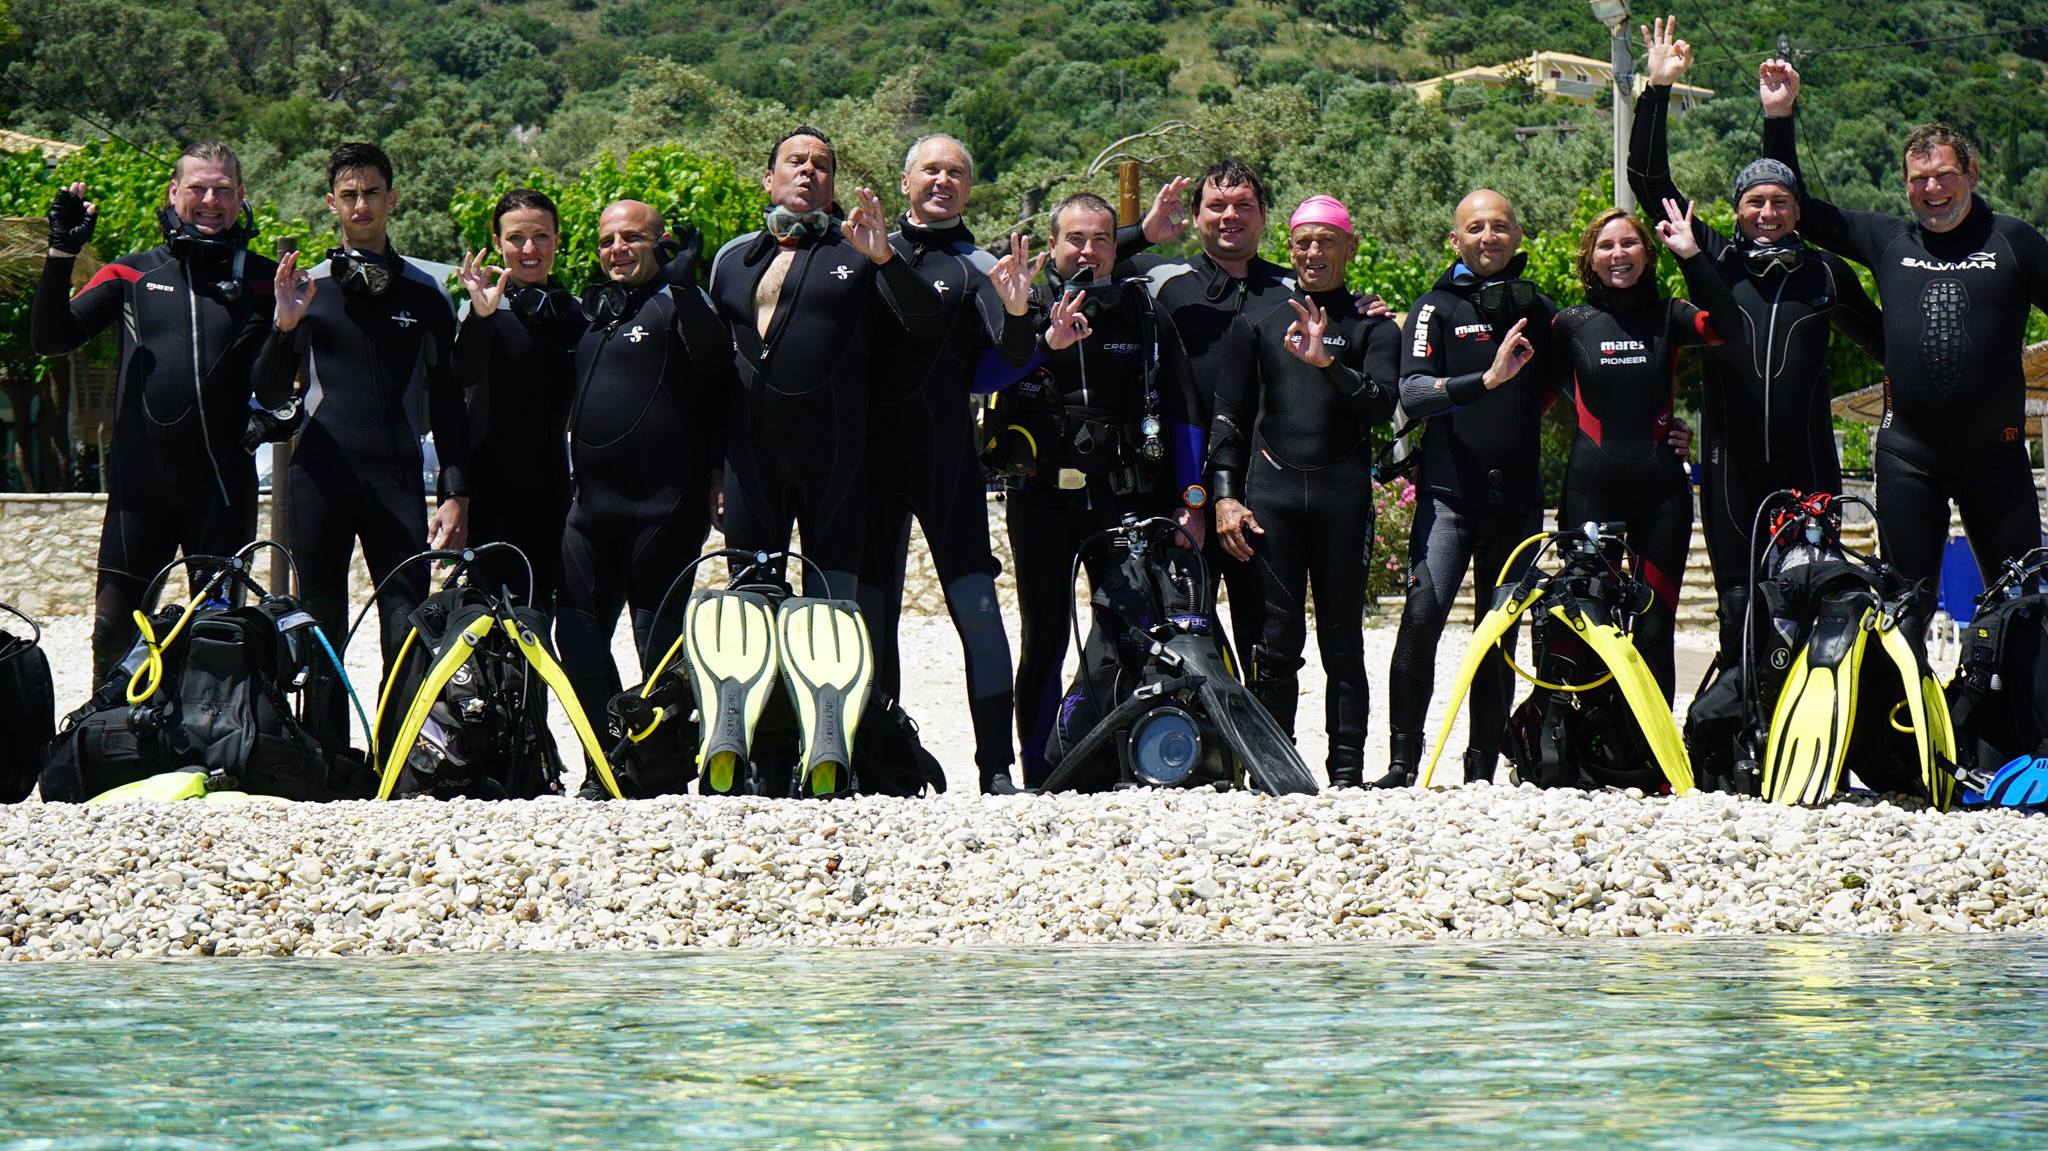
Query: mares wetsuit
column 1203, row 300
column 1090, row 474
column 1294, row 443
column 1616, row 359
column 372, row 364
column 797, row 430
column 1765, row 424
column 177, row 474
column 1955, row 318
column 1480, row 493
column 922, row 460
column 646, row 438
column 517, row 370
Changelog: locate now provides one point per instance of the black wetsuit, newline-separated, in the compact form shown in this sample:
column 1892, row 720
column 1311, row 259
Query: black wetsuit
column 1764, row 416
column 1955, row 319
column 1097, row 385
column 518, row 377
column 1480, row 492
column 646, row 433
column 921, row 461
column 797, row 430
column 1616, row 362
column 1203, row 301
column 372, row 365
column 1294, row 442
column 177, row 475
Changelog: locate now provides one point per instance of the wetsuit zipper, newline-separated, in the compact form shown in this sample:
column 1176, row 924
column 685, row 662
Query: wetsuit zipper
column 198, row 389
column 1770, row 344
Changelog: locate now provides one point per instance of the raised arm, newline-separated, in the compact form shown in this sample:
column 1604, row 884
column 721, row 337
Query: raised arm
column 1649, row 146
column 1857, row 235
column 1425, row 390
column 1712, row 313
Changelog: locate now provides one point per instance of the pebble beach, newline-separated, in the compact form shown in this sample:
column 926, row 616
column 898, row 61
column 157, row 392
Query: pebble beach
column 1480, row 861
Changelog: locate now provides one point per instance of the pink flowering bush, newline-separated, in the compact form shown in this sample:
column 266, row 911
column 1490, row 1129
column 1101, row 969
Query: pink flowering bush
column 1386, row 569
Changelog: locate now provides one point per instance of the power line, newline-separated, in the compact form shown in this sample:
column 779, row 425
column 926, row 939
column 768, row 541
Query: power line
column 47, row 105
column 1925, row 40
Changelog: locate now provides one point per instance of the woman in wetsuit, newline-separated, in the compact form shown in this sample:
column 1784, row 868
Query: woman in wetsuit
column 1617, row 362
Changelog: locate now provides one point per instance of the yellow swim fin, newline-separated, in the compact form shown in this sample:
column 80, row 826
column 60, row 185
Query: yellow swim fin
column 1492, row 626
column 1927, row 711
column 830, row 666
column 1639, row 688
column 165, row 787
column 1816, row 710
column 729, row 645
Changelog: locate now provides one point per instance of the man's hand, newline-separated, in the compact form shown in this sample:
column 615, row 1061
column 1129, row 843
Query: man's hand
column 1515, row 351
column 716, row 498
column 866, row 228
column 1370, row 304
column 485, row 291
column 1670, row 57
column 1012, row 275
column 450, row 526
column 71, row 220
column 1167, row 218
column 679, row 255
column 1192, row 523
column 1680, row 438
column 1675, row 229
column 1777, row 85
column 294, row 290
column 1305, row 334
column 1069, row 324
column 1233, row 520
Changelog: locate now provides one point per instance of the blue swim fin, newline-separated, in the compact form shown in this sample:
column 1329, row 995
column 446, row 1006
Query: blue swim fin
column 2023, row 783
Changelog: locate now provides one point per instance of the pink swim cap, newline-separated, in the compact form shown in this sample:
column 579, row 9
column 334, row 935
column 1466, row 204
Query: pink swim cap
column 1321, row 210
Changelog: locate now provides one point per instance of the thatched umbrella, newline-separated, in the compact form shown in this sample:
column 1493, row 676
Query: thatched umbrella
column 24, row 243
column 1866, row 405
column 24, row 246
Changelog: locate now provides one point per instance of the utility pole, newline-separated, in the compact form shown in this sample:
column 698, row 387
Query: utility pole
column 1614, row 14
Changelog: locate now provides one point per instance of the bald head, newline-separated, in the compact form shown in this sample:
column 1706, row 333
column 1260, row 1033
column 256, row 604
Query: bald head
column 1484, row 232
column 627, row 232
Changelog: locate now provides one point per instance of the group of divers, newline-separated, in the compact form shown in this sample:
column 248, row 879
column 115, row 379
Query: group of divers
column 1178, row 428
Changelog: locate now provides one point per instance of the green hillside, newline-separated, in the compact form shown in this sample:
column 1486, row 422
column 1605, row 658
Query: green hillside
column 465, row 91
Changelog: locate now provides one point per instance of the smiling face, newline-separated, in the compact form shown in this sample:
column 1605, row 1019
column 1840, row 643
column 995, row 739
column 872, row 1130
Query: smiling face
column 937, row 181
column 801, row 178
column 526, row 241
column 1320, row 253
column 363, row 202
column 626, row 235
column 1619, row 254
column 1767, row 213
column 206, row 194
column 1230, row 221
column 1484, row 232
column 1938, row 186
column 1084, row 238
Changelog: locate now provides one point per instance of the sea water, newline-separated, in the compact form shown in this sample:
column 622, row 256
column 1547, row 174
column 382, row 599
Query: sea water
column 1755, row 1043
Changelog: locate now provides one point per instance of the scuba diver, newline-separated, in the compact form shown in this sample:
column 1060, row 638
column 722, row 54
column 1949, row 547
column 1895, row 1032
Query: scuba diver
column 1764, row 399
column 1098, row 429
column 379, row 335
column 646, row 440
column 1616, row 361
column 806, row 299
column 1299, row 390
column 196, row 310
column 921, row 453
column 1957, row 281
column 1466, row 359
column 515, row 352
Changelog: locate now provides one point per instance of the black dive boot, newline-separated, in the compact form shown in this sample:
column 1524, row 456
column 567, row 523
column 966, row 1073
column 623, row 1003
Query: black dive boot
column 1404, row 754
column 1347, row 773
column 1480, row 766
column 997, row 782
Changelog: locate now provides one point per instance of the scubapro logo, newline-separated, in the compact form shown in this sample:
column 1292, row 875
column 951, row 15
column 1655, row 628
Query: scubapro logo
column 940, row 287
column 404, row 319
column 842, row 271
column 1975, row 261
column 636, row 333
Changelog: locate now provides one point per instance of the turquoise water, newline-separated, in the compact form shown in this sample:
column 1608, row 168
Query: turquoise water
column 1792, row 1043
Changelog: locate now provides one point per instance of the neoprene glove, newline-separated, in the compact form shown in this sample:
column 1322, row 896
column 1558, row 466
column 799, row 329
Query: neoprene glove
column 680, row 255
column 70, row 223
